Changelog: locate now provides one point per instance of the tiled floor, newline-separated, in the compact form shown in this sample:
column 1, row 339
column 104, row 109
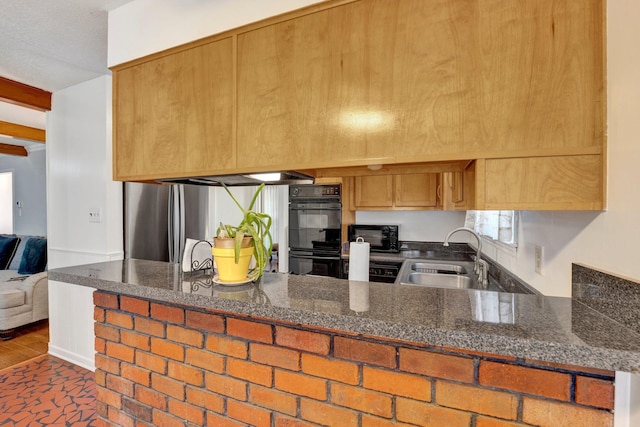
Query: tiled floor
column 28, row 342
column 47, row 391
column 41, row 390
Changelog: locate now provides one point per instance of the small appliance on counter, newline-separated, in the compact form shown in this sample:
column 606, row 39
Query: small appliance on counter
column 382, row 239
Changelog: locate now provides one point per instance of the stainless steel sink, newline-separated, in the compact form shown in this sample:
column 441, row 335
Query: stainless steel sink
column 437, row 268
column 437, row 273
column 440, row 280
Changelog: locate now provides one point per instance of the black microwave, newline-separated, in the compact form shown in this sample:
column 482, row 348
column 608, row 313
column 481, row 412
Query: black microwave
column 381, row 238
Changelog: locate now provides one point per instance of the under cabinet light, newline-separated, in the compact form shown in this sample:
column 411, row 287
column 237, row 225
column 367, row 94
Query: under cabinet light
column 266, row 177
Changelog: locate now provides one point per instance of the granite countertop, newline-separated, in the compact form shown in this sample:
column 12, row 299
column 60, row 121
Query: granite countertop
column 552, row 329
column 499, row 278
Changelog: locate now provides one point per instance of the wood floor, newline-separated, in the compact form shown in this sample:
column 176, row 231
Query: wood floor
column 28, row 342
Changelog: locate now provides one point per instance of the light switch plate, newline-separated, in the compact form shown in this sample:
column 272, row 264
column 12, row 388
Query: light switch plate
column 95, row 215
column 538, row 259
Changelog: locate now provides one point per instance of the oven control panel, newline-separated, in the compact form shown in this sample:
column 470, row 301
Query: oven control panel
column 314, row 191
column 383, row 272
column 378, row 272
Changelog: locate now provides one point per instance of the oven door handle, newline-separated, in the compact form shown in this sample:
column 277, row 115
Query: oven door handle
column 315, row 206
column 323, row 258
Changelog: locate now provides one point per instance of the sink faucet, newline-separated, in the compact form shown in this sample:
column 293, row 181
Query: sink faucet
column 480, row 267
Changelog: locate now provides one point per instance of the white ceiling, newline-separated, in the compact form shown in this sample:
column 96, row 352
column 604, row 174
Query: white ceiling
column 54, row 44
column 51, row 45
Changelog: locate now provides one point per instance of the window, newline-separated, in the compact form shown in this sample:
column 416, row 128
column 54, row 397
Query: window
column 6, row 202
column 270, row 203
column 500, row 226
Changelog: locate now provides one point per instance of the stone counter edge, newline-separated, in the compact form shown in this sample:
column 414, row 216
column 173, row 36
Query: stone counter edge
column 569, row 354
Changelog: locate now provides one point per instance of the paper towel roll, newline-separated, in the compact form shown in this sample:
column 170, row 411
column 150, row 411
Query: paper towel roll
column 359, row 260
column 359, row 296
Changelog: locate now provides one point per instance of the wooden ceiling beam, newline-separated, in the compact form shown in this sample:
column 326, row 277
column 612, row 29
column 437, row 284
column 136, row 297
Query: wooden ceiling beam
column 24, row 95
column 22, row 132
column 13, row 150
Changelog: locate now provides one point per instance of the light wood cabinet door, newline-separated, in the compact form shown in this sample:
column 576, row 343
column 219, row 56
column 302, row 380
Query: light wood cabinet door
column 545, row 183
column 397, row 192
column 374, row 191
column 416, row 190
column 173, row 114
column 298, row 81
column 458, row 189
column 379, row 81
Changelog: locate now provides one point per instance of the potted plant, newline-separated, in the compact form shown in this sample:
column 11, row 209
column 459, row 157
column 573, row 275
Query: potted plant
column 234, row 245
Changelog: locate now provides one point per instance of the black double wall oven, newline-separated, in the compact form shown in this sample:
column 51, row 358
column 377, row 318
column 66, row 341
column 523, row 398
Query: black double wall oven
column 315, row 229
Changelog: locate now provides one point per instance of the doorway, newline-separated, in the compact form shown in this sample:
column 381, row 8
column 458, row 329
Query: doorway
column 6, row 202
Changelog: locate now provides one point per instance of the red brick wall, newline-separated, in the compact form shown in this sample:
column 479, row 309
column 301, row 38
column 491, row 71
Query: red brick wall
column 174, row 366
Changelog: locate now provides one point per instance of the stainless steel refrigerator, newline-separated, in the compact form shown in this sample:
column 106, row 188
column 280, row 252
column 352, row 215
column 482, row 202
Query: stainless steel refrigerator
column 159, row 218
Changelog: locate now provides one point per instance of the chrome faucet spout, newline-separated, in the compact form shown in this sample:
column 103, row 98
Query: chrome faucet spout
column 477, row 267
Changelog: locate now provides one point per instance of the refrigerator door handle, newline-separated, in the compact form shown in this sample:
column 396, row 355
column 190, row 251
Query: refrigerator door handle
column 171, row 221
column 181, row 236
column 176, row 223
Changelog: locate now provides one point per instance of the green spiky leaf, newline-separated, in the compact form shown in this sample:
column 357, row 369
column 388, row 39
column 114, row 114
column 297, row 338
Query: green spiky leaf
column 254, row 224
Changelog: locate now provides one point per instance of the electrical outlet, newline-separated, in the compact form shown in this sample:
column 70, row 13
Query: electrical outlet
column 95, row 215
column 538, row 259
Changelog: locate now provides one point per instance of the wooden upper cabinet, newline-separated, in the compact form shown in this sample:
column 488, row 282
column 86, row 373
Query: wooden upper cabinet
column 173, row 114
column 299, row 82
column 413, row 191
column 517, row 86
column 380, row 81
column 418, row 190
column 374, row 191
column 458, row 189
column 544, row 183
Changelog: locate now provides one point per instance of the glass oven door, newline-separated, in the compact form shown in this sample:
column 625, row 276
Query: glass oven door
column 312, row 262
column 314, row 225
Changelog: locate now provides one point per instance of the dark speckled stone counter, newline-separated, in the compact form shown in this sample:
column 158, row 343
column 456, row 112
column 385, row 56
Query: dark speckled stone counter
column 499, row 278
column 551, row 329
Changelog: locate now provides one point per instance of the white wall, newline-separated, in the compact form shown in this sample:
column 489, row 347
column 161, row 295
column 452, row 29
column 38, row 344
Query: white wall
column 79, row 180
column 425, row 226
column 79, row 177
column 29, row 186
column 143, row 27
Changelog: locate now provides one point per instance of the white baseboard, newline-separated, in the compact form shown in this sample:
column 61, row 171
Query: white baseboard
column 71, row 357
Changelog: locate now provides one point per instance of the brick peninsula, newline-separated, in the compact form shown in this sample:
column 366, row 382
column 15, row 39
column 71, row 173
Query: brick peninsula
column 315, row 351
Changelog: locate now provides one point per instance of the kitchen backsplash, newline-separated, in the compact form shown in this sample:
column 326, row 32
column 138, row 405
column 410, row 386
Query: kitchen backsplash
column 424, row 226
column 613, row 296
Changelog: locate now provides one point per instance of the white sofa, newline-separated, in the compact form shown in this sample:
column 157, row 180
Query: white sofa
column 22, row 301
column 24, row 292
